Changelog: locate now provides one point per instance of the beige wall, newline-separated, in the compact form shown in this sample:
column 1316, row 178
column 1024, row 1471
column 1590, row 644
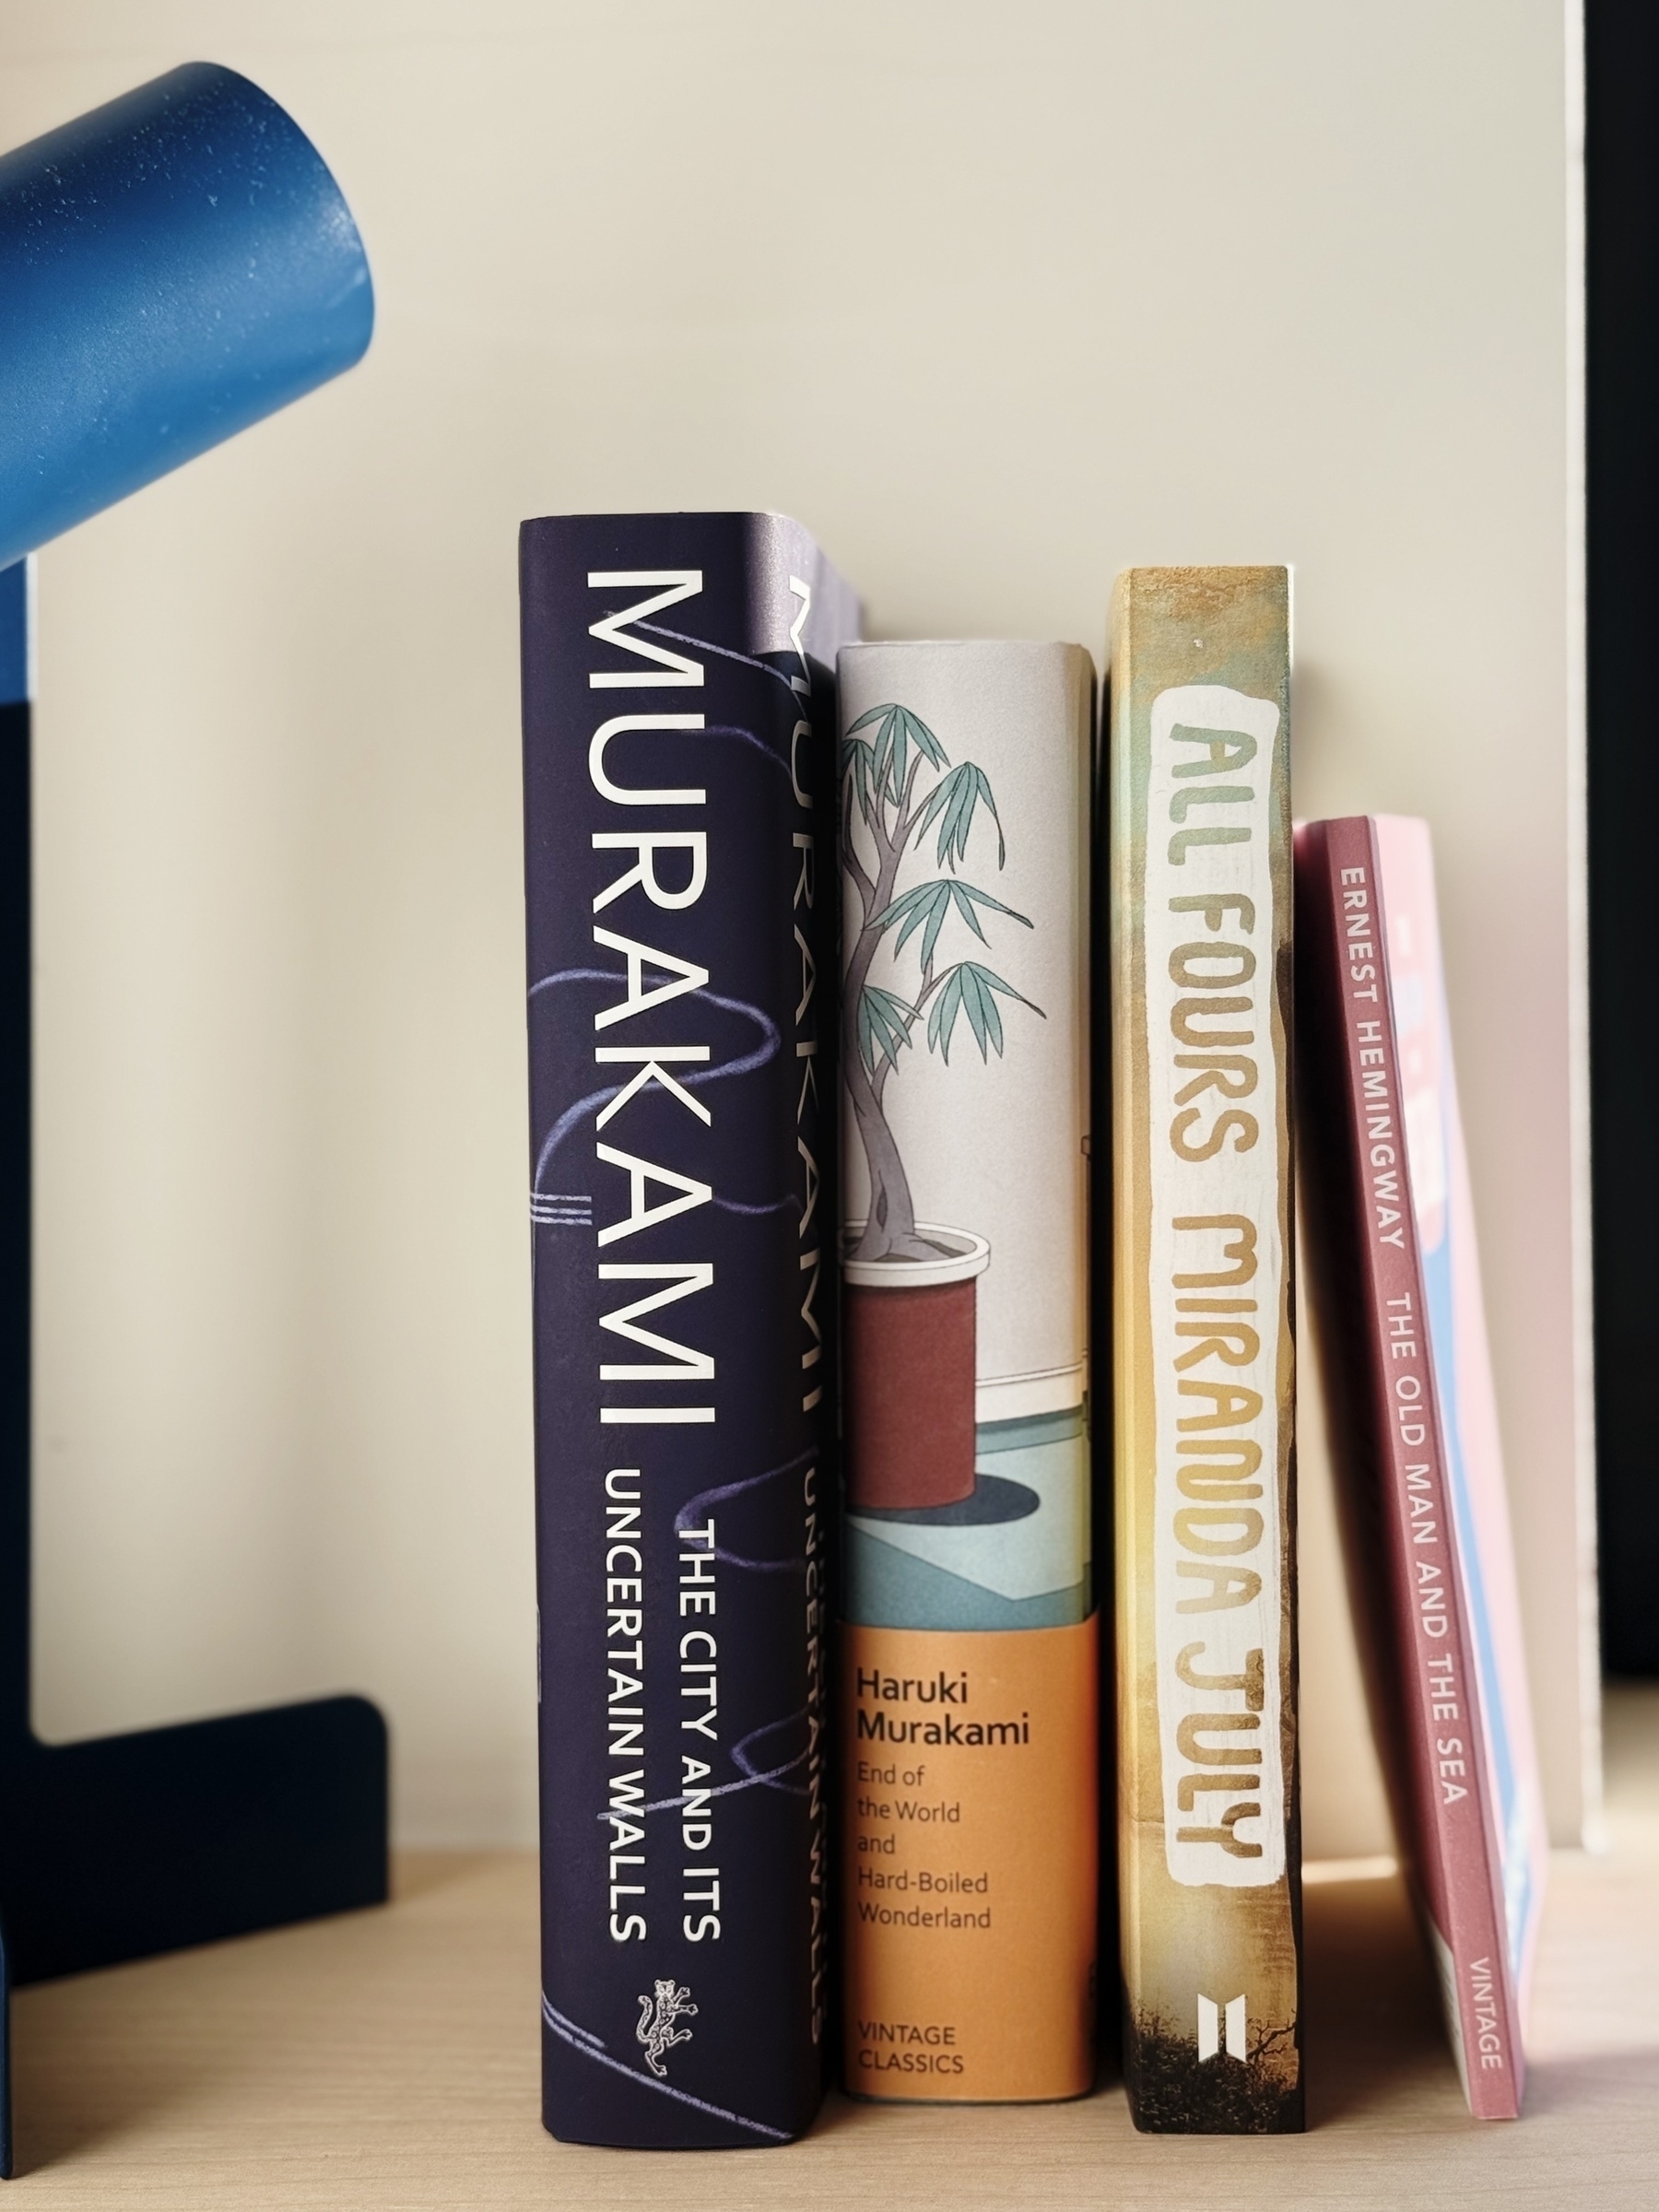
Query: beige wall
column 995, row 300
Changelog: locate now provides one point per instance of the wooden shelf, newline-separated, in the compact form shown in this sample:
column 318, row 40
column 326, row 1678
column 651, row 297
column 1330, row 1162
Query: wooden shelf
column 389, row 2060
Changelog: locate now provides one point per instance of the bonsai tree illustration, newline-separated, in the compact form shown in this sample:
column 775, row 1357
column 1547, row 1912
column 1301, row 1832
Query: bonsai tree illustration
column 897, row 786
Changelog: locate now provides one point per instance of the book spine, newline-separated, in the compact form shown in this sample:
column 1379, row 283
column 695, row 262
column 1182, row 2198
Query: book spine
column 970, row 1641
column 1442, row 1210
column 1204, row 1372
column 1434, row 1720
column 678, row 716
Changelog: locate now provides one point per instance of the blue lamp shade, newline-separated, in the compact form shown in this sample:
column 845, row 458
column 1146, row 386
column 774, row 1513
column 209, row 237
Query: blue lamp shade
column 173, row 266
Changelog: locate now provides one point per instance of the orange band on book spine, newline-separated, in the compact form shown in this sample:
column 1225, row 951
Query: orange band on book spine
column 970, row 1834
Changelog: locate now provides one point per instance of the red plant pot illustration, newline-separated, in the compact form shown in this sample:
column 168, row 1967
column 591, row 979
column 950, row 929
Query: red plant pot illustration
column 908, row 1403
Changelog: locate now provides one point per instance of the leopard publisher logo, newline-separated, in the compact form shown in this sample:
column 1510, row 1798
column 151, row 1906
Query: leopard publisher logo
column 657, row 2030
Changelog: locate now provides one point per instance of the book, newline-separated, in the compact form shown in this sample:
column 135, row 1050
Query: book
column 1414, row 1426
column 679, row 818
column 1202, row 1356
column 969, row 1644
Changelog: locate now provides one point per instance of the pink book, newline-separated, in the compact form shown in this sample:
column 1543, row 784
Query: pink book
column 1392, row 1262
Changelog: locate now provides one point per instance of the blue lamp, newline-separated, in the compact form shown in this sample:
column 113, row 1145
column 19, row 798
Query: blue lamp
column 173, row 266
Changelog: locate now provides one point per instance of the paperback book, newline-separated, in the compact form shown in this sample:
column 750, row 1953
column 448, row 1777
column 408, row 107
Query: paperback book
column 681, row 894
column 1203, row 1373
column 1391, row 1254
column 969, row 1651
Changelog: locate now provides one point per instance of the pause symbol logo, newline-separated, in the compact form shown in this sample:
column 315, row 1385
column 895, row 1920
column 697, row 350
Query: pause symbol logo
column 1210, row 2018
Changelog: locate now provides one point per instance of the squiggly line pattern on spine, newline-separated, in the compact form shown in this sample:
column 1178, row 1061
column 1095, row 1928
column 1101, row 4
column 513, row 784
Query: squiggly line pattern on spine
column 590, row 2046
column 726, row 652
column 744, row 1064
column 705, row 1501
column 769, row 1778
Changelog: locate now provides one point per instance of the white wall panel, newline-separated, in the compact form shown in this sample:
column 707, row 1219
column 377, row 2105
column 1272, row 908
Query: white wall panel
column 994, row 300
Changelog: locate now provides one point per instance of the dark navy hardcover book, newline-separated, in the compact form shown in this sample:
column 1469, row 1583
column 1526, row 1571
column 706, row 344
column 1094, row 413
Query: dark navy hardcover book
column 681, row 874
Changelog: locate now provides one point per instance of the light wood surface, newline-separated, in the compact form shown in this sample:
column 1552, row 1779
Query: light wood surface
column 389, row 2060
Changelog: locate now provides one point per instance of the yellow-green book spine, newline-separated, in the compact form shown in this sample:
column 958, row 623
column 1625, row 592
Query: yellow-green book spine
column 1204, row 1377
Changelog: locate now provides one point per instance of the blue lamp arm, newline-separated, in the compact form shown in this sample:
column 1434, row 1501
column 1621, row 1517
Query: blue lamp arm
column 175, row 266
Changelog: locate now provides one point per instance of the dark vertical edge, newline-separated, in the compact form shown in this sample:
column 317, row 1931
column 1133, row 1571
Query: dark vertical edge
column 1296, row 2119
column 14, row 1289
column 14, row 1189
column 5, row 2071
column 1109, row 1993
column 827, row 741
column 1622, row 484
column 15, row 1207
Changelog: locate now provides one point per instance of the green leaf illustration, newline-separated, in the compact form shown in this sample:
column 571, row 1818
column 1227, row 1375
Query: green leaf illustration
column 858, row 755
column 928, row 906
column 954, row 798
column 883, row 755
column 926, row 744
column 898, row 730
column 884, row 1026
column 971, row 990
column 923, row 908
